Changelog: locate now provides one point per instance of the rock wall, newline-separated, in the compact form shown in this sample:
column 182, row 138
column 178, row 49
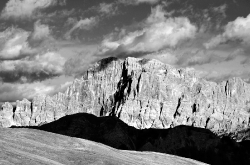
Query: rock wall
column 144, row 94
column 6, row 115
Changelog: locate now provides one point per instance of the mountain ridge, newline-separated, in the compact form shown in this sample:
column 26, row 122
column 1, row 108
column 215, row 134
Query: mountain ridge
column 145, row 94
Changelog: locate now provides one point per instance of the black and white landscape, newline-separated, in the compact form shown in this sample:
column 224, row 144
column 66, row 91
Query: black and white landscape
column 159, row 81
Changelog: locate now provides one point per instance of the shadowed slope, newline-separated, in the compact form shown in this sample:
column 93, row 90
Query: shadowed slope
column 186, row 141
column 34, row 147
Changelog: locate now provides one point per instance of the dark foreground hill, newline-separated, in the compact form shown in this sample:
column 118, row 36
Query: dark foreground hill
column 35, row 147
column 186, row 141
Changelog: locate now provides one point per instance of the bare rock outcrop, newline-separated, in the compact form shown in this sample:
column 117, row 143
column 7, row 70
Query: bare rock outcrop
column 22, row 113
column 147, row 94
column 6, row 115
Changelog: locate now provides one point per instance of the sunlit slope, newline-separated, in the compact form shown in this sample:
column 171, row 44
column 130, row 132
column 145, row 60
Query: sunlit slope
column 29, row 147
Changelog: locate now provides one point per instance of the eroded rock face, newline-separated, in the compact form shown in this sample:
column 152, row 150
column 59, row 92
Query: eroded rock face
column 148, row 94
column 22, row 113
column 6, row 115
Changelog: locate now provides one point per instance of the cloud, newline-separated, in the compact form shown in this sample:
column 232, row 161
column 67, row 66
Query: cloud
column 199, row 57
column 83, row 24
column 78, row 64
column 165, row 56
column 18, row 44
column 60, row 88
column 106, row 8
column 64, row 13
column 136, row 2
column 206, row 15
column 40, row 31
column 12, row 92
column 246, row 61
column 40, row 68
column 221, row 9
column 238, row 29
column 157, row 33
column 219, row 76
column 20, row 9
column 14, row 45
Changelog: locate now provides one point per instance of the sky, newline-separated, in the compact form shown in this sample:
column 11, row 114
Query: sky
column 46, row 44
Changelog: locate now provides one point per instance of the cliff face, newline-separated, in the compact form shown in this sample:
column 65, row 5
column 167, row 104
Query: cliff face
column 144, row 94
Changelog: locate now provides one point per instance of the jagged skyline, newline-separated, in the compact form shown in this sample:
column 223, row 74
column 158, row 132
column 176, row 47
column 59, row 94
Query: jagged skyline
column 45, row 44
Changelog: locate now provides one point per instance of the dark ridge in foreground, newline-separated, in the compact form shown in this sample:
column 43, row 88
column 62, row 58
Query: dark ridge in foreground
column 186, row 141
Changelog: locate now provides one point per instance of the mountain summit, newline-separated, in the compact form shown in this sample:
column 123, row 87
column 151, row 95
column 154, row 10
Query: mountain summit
column 144, row 94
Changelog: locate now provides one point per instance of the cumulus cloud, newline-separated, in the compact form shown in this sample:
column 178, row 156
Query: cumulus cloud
column 41, row 31
column 158, row 32
column 14, row 45
column 40, row 68
column 16, row 9
column 83, row 24
column 238, row 29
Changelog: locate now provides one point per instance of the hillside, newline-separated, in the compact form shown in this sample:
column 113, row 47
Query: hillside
column 29, row 147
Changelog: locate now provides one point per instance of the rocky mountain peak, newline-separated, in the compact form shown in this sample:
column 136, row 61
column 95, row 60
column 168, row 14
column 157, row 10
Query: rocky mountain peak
column 145, row 94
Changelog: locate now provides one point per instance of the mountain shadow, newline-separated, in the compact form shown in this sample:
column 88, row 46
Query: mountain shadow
column 186, row 141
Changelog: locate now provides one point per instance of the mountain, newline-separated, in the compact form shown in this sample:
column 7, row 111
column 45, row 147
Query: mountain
column 29, row 147
column 144, row 94
column 185, row 141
